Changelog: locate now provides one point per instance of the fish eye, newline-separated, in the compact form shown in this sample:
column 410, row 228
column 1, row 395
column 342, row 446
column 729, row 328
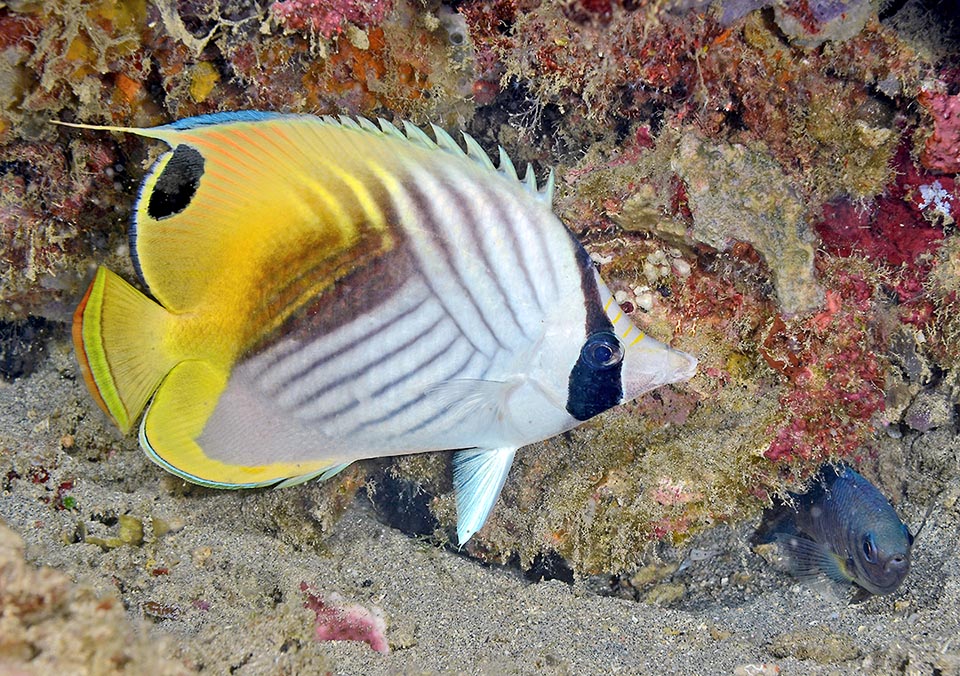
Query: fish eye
column 870, row 548
column 602, row 350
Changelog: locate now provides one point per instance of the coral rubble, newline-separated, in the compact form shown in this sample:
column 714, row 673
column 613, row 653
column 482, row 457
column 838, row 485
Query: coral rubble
column 50, row 625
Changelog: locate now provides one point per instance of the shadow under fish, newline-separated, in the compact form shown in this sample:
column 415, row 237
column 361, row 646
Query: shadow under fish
column 843, row 528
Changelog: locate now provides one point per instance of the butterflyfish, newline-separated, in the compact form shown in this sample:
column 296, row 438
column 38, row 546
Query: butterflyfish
column 324, row 290
column 844, row 529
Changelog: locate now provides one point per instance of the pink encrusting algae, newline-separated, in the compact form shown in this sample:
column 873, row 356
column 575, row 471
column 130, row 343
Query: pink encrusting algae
column 326, row 18
column 941, row 148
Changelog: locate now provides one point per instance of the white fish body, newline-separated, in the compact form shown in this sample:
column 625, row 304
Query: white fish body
column 452, row 311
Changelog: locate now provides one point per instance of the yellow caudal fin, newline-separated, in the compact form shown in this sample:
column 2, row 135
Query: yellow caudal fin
column 118, row 334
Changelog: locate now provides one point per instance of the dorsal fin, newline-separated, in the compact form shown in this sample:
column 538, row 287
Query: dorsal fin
column 445, row 141
column 389, row 129
column 218, row 146
column 506, row 165
column 416, row 134
column 475, row 152
column 367, row 125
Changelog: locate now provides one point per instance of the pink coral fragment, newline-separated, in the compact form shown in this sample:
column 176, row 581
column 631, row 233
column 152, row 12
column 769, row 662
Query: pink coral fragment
column 340, row 621
column 326, row 18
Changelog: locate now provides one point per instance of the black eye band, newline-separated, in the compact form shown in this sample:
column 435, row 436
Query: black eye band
column 595, row 381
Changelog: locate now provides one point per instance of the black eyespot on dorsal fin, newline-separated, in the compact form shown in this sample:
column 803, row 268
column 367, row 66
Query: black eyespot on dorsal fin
column 177, row 184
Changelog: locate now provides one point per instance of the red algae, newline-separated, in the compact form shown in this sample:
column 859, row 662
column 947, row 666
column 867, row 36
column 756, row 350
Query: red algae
column 901, row 230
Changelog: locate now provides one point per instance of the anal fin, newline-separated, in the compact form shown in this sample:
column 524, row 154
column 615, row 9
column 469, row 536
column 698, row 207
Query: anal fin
column 478, row 477
column 172, row 435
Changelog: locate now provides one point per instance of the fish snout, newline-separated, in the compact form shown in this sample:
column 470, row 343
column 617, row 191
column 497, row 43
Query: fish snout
column 898, row 565
column 887, row 579
column 649, row 364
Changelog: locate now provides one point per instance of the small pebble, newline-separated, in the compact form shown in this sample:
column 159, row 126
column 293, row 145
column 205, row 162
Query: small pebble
column 645, row 300
column 131, row 530
column 756, row 670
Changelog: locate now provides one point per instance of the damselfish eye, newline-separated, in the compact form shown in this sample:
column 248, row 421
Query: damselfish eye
column 602, row 350
column 869, row 548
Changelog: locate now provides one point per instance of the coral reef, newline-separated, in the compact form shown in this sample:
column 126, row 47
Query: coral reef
column 325, row 18
column 770, row 187
column 941, row 149
column 48, row 214
column 772, row 221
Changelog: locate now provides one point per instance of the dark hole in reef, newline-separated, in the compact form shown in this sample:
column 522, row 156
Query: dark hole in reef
column 549, row 566
column 154, row 86
column 403, row 505
column 19, row 168
column 178, row 183
column 23, row 345
column 733, row 116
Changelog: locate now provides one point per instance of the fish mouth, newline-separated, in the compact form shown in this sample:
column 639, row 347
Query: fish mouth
column 888, row 582
column 688, row 365
column 678, row 366
column 655, row 364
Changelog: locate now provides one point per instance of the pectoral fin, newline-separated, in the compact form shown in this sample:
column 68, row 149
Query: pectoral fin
column 478, row 476
column 472, row 398
column 810, row 560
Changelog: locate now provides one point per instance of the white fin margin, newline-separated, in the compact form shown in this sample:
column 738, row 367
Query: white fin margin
column 478, row 477
column 444, row 141
column 321, row 475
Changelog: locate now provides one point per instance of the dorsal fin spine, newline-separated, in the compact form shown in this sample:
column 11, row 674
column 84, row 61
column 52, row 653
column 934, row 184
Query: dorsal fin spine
column 506, row 165
column 416, row 134
column 546, row 193
column 445, row 141
column 476, row 153
column 389, row 128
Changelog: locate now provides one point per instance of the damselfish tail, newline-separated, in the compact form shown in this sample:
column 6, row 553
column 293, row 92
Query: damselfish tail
column 119, row 336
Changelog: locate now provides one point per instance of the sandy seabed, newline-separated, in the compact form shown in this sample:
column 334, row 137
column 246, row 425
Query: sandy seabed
column 218, row 583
